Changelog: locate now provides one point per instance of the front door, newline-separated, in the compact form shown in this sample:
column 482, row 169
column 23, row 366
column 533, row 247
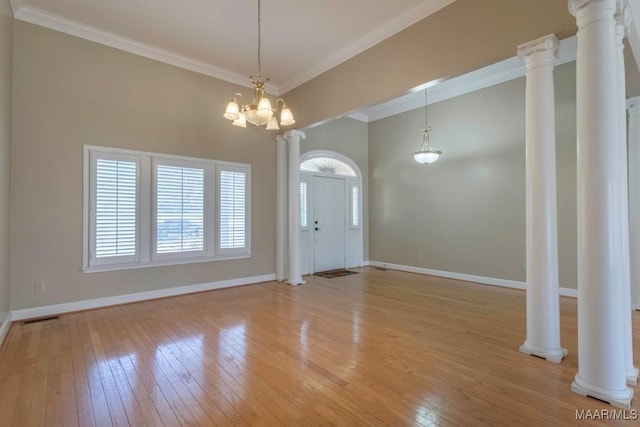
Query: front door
column 329, row 223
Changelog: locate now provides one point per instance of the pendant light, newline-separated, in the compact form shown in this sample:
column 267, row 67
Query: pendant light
column 426, row 155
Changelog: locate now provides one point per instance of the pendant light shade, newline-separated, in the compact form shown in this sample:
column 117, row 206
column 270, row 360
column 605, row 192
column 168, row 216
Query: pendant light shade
column 286, row 117
column 426, row 156
column 273, row 123
column 264, row 108
column 241, row 121
column 232, row 110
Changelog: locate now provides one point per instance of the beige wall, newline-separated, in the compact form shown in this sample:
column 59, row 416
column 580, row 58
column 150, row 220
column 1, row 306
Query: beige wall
column 6, row 30
column 466, row 213
column 462, row 37
column 70, row 92
column 350, row 138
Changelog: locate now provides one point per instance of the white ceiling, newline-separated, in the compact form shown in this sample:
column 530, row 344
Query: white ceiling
column 300, row 39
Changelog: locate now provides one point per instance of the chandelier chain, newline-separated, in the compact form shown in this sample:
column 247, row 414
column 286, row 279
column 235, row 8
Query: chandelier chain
column 426, row 122
column 259, row 42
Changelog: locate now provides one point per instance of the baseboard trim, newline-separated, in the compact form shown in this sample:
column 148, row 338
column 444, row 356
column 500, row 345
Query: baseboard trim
column 4, row 328
column 49, row 310
column 568, row 292
column 513, row 284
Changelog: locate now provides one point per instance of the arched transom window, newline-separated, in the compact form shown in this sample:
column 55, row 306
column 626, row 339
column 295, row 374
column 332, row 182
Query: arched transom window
column 327, row 165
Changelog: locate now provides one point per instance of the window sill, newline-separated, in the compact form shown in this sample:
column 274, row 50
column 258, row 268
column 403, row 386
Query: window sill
column 163, row 263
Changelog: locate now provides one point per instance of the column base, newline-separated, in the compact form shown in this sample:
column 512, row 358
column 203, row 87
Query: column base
column 618, row 398
column 632, row 376
column 295, row 282
column 552, row 355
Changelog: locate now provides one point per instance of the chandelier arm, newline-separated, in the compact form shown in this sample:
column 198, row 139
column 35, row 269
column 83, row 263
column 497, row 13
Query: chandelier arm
column 275, row 107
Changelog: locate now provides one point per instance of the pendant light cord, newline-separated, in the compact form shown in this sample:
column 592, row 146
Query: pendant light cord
column 259, row 42
column 426, row 143
column 426, row 117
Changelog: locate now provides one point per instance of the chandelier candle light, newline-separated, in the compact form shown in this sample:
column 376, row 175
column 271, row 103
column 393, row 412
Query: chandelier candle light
column 260, row 112
column 426, row 154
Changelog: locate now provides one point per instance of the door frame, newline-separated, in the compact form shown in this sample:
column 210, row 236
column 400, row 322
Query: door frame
column 355, row 233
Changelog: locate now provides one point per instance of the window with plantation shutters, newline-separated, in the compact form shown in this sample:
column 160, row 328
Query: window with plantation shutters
column 232, row 210
column 179, row 209
column 114, row 208
column 147, row 209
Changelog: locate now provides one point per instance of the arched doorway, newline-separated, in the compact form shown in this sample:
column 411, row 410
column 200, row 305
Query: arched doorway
column 330, row 212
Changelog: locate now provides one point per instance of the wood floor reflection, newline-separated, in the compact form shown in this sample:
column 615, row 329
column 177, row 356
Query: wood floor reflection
column 375, row 348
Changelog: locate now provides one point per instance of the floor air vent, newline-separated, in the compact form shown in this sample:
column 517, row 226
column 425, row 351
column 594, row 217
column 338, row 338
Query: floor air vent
column 40, row 319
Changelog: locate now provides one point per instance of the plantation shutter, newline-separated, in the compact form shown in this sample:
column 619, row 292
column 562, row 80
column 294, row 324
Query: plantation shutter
column 115, row 208
column 232, row 209
column 179, row 209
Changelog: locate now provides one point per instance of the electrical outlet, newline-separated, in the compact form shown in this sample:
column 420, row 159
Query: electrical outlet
column 420, row 257
column 38, row 288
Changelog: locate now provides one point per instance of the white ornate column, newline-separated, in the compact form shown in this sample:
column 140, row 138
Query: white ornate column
column 633, row 106
column 622, row 22
column 293, row 138
column 601, row 346
column 281, row 207
column 543, row 305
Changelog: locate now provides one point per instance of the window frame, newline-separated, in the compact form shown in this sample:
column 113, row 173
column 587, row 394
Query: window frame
column 92, row 237
column 146, row 222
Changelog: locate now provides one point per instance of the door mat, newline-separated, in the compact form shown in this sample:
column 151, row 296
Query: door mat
column 335, row 273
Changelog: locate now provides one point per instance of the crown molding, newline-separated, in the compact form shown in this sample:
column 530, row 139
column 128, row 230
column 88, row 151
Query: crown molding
column 421, row 11
column 54, row 22
column 45, row 19
column 15, row 6
column 358, row 115
column 500, row 72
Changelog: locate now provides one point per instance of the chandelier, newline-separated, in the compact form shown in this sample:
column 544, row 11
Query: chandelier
column 426, row 153
column 260, row 112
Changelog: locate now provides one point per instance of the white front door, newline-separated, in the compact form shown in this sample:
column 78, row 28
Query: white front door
column 329, row 223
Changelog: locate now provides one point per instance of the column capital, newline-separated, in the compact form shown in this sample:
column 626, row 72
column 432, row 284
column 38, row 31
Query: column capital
column 633, row 106
column 575, row 5
column 280, row 138
column 548, row 43
column 294, row 135
column 623, row 18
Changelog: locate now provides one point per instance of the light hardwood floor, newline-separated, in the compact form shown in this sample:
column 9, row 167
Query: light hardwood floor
column 377, row 348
